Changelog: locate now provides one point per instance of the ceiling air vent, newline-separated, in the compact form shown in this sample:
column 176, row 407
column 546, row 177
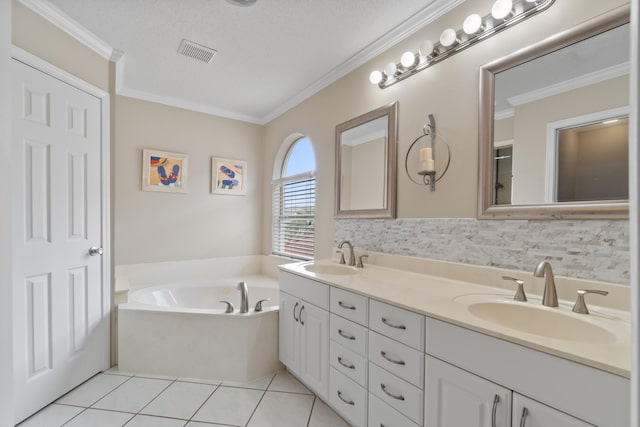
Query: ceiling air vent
column 196, row 51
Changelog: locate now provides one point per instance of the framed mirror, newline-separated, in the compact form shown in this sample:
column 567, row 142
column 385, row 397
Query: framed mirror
column 366, row 150
column 554, row 126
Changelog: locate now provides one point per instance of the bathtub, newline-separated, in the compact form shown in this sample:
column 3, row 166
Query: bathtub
column 182, row 330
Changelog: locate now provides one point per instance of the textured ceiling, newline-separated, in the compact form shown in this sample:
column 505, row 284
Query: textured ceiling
column 270, row 56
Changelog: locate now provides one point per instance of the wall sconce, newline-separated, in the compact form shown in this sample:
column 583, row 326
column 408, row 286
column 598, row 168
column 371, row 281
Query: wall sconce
column 475, row 28
column 425, row 161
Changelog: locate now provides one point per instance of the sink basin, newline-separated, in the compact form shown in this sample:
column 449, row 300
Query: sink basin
column 335, row 269
column 541, row 321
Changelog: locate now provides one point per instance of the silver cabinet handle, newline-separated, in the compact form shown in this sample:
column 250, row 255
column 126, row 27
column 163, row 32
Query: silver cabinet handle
column 391, row 325
column 397, row 362
column 523, row 418
column 395, row 396
column 300, row 315
column 343, row 335
column 95, row 250
column 294, row 312
column 348, row 307
column 494, row 410
column 344, row 364
column 348, row 402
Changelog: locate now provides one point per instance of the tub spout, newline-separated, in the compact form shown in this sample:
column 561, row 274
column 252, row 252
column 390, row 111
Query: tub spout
column 244, row 297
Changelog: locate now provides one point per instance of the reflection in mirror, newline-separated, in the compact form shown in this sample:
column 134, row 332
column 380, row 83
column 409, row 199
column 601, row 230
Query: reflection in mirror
column 365, row 165
column 554, row 132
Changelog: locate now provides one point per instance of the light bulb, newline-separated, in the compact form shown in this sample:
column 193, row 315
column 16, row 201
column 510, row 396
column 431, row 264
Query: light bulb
column 501, row 9
column 472, row 24
column 426, row 48
column 375, row 77
column 390, row 69
column 408, row 59
column 448, row 37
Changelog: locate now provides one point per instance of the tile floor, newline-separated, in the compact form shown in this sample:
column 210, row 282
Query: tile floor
column 115, row 398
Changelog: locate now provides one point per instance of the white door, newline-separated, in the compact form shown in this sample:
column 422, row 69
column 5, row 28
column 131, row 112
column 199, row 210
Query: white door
column 529, row 413
column 455, row 398
column 288, row 331
column 314, row 342
column 59, row 335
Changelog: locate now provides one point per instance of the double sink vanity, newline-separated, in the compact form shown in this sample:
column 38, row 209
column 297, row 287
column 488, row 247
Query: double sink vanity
column 403, row 347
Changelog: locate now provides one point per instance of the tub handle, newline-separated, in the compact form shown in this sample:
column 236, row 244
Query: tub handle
column 259, row 304
column 294, row 311
column 229, row 306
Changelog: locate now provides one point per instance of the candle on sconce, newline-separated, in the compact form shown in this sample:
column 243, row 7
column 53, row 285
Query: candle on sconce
column 426, row 160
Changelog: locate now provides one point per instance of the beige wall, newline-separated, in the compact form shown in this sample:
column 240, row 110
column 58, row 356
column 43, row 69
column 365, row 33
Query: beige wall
column 449, row 90
column 156, row 227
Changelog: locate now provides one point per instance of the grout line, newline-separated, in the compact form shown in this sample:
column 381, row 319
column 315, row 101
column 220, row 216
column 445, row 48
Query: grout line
column 155, row 397
column 264, row 393
column 315, row 398
column 203, row 403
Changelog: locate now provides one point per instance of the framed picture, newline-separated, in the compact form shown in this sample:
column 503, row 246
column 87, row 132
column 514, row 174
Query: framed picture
column 228, row 176
column 164, row 171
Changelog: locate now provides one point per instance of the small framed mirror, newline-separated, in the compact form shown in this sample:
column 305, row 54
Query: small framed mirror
column 554, row 126
column 366, row 150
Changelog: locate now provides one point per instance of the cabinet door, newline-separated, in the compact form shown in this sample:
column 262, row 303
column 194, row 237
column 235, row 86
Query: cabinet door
column 457, row 398
column 288, row 331
column 314, row 343
column 529, row 413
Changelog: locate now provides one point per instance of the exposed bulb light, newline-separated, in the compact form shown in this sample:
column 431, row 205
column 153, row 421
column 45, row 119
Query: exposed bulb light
column 501, row 9
column 448, row 37
column 390, row 69
column 375, row 77
column 472, row 24
column 242, row 3
column 408, row 59
column 426, row 48
column 608, row 122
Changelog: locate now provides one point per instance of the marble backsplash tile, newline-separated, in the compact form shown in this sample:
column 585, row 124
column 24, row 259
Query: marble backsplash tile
column 585, row 249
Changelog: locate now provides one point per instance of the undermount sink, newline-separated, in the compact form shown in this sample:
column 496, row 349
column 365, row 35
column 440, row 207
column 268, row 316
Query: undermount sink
column 335, row 269
column 538, row 320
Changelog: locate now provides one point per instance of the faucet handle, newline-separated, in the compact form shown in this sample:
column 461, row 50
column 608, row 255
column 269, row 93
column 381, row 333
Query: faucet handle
column 580, row 306
column 342, row 261
column 360, row 263
column 229, row 306
column 520, row 295
column 259, row 304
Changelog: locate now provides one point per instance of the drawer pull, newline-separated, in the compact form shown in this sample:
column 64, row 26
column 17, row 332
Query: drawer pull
column 397, row 362
column 300, row 315
column 343, row 335
column 348, row 307
column 348, row 402
column 496, row 400
column 391, row 325
column 344, row 364
column 523, row 418
column 294, row 311
column 395, row 396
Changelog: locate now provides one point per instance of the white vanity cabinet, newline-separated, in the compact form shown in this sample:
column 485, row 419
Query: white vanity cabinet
column 529, row 413
column 304, row 331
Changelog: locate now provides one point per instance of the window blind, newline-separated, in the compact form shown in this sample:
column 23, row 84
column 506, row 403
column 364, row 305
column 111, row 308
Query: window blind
column 293, row 216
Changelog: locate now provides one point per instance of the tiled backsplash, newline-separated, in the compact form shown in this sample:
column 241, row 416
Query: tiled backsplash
column 586, row 249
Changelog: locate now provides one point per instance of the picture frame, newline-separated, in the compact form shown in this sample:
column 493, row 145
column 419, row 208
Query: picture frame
column 164, row 171
column 228, row 176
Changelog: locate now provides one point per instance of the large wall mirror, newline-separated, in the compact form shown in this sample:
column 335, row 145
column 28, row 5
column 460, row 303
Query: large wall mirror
column 554, row 126
column 366, row 150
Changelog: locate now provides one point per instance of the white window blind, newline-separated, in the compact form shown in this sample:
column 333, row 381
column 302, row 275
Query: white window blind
column 293, row 216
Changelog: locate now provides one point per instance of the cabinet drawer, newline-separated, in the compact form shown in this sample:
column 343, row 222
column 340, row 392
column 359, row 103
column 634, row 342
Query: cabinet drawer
column 349, row 305
column 349, row 363
column 381, row 414
column 348, row 398
column 402, row 396
column 397, row 323
column 349, row 334
column 309, row 290
column 399, row 359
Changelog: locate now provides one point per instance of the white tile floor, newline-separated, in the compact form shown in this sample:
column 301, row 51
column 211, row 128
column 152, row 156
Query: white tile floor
column 116, row 398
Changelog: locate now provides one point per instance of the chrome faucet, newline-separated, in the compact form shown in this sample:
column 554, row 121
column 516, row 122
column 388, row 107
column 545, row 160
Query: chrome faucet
column 549, row 296
column 352, row 255
column 244, row 297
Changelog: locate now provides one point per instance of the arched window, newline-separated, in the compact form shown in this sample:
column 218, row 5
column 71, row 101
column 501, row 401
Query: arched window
column 294, row 200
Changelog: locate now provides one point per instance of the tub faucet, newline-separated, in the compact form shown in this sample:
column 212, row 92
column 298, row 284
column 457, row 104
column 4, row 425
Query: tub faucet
column 549, row 296
column 352, row 255
column 244, row 297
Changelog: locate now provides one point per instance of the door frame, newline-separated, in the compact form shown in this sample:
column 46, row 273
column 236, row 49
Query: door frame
column 39, row 64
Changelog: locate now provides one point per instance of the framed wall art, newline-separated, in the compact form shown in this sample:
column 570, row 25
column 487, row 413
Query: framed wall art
column 228, row 176
column 164, row 171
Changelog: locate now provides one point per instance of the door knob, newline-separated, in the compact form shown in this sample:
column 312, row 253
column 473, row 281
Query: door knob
column 94, row 250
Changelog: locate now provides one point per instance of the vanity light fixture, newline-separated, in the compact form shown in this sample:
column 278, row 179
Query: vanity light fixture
column 504, row 13
column 426, row 159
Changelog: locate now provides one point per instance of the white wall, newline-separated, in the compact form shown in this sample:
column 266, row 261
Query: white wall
column 6, row 315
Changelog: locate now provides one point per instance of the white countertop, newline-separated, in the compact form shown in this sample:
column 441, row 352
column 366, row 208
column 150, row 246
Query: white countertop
column 436, row 296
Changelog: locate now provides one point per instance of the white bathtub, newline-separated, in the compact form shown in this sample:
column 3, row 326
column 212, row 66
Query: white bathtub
column 182, row 330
